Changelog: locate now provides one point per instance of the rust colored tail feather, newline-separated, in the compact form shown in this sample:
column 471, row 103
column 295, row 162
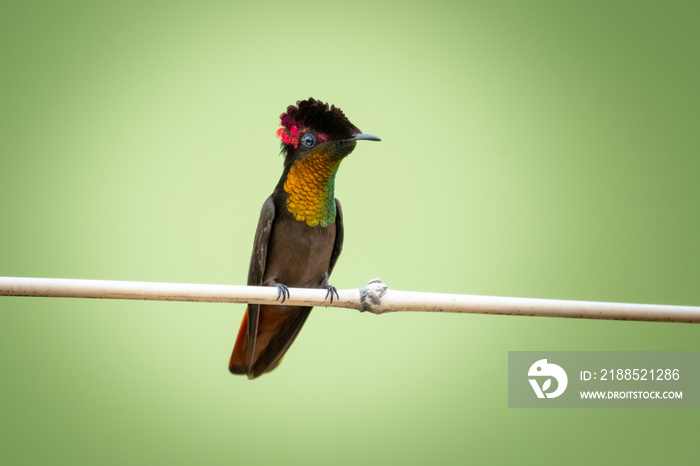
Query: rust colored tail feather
column 237, row 364
column 278, row 326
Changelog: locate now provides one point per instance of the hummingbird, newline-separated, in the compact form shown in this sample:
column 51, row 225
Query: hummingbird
column 300, row 231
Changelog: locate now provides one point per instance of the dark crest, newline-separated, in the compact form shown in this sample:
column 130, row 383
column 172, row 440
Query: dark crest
column 329, row 122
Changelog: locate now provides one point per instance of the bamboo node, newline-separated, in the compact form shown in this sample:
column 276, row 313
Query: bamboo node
column 371, row 296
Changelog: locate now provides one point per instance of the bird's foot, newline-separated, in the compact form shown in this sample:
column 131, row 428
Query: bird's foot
column 282, row 291
column 331, row 290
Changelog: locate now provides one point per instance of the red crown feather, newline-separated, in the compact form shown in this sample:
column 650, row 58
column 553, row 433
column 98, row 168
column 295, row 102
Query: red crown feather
column 327, row 122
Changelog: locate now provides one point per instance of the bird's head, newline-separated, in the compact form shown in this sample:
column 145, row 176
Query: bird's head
column 312, row 126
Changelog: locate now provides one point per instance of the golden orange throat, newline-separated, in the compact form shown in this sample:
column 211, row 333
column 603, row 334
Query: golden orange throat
column 310, row 184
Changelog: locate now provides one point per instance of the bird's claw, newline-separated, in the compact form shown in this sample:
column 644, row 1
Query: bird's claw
column 331, row 290
column 282, row 291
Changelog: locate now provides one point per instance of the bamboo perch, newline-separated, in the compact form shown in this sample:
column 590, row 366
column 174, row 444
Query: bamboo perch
column 374, row 297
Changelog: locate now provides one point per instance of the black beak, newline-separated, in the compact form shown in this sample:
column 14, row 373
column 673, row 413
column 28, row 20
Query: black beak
column 366, row 137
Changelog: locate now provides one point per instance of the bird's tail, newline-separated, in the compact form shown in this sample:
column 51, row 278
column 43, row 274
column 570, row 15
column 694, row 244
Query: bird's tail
column 237, row 364
column 277, row 327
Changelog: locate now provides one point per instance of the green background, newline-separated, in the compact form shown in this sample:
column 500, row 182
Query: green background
column 539, row 149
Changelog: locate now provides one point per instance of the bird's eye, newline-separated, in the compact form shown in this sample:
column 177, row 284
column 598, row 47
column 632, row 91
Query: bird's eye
column 308, row 140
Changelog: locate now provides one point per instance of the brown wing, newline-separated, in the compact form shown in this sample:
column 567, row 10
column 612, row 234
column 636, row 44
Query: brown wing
column 339, row 236
column 242, row 356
